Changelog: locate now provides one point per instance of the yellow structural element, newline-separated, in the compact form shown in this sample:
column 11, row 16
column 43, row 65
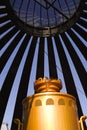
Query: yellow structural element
column 49, row 109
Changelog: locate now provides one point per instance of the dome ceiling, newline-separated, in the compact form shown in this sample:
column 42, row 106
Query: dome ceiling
column 26, row 56
column 45, row 17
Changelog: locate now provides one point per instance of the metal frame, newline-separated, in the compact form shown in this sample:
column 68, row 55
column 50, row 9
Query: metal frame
column 46, row 31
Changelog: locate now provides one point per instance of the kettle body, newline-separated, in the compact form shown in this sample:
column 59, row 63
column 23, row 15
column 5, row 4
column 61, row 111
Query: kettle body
column 50, row 111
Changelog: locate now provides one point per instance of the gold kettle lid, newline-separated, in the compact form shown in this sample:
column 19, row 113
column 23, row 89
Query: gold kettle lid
column 47, row 85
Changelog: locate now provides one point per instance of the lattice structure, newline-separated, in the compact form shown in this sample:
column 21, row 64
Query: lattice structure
column 44, row 17
column 25, row 57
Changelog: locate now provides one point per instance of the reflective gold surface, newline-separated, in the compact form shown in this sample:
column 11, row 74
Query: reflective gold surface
column 47, row 85
column 49, row 109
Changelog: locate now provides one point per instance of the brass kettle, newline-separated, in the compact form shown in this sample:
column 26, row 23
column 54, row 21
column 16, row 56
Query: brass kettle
column 49, row 109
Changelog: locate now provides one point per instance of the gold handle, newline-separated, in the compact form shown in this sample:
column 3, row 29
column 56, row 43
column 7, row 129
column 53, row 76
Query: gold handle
column 17, row 121
column 82, row 118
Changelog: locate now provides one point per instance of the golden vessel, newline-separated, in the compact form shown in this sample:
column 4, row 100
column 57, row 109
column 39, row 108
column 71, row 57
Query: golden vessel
column 49, row 109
